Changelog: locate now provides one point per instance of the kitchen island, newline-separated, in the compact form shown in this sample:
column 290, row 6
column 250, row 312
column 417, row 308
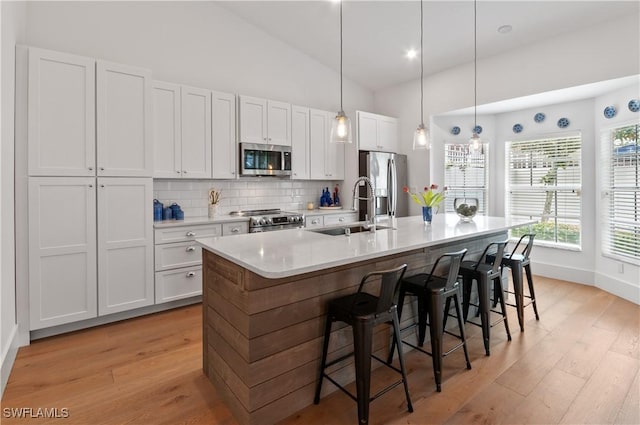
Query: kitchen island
column 264, row 298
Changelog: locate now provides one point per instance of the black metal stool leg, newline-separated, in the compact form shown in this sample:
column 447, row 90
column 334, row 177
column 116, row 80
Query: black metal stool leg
column 436, row 330
column 362, row 340
column 516, row 272
column 498, row 286
column 466, row 296
column 422, row 320
column 323, row 362
column 483, row 295
column 399, row 307
column 398, row 341
column 461, row 327
column 527, row 269
column 447, row 306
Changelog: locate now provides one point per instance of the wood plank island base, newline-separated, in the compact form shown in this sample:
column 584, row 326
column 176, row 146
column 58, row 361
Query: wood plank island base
column 265, row 295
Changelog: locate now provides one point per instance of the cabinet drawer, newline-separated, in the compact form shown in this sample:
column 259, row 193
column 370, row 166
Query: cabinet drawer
column 187, row 233
column 236, row 228
column 182, row 254
column 180, row 283
column 336, row 219
column 314, row 221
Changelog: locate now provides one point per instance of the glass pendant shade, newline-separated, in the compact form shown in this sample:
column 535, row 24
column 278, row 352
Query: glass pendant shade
column 475, row 141
column 341, row 129
column 421, row 138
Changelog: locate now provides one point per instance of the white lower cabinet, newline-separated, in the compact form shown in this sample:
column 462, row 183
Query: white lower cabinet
column 125, row 244
column 179, row 283
column 328, row 220
column 90, row 247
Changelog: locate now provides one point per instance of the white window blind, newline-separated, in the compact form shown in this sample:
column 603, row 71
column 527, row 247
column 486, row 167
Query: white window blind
column 621, row 163
column 544, row 182
column 465, row 175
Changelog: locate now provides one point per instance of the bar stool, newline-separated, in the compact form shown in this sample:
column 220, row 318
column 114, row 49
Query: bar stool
column 433, row 292
column 363, row 312
column 485, row 273
column 517, row 262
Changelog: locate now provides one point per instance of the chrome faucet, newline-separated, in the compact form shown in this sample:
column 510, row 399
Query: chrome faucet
column 371, row 200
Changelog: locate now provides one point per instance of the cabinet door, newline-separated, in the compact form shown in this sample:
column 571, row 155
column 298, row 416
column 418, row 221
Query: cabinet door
column 166, row 130
column 124, row 112
column 177, row 284
column 278, row 123
column 388, row 134
column 61, row 114
column 367, row 131
column 62, row 250
column 299, row 142
column 253, row 120
column 224, row 135
column 334, row 158
column 125, row 244
column 196, row 133
column 319, row 131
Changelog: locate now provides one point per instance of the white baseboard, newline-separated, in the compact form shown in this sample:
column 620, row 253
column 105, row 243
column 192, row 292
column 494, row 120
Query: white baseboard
column 8, row 358
column 619, row 288
column 570, row 274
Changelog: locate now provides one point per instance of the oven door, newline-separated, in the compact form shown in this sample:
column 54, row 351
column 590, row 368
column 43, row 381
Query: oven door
column 264, row 160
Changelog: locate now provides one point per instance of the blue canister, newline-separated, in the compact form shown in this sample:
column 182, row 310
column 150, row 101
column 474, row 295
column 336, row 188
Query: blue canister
column 174, row 209
column 168, row 214
column 157, row 210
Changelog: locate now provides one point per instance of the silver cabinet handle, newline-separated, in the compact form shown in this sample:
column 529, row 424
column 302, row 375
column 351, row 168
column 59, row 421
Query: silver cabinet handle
column 178, row 171
column 184, row 171
column 101, row 168
column 90, row 168
column 235, row 230
column 191, row 274
column 191, row 248
column 101, row 185
column 191, row 234
column 316, row 221
column 91, row 186
column 341, row 219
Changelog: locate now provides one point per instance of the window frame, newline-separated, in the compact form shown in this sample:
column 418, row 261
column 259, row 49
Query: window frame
column 606, row 188
column 557, row 188
column 484, row 203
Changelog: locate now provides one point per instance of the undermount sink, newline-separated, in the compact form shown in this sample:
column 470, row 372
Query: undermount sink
column 347, row 230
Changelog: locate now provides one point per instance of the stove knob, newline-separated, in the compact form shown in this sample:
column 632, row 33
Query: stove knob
column 269, row 220
column 262, row 221
column 254, row 221
column 294, row 219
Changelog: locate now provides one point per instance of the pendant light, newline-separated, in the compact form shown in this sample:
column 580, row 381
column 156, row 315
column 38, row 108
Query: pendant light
column 341, row 126
column 421, row 135
column 475, row 141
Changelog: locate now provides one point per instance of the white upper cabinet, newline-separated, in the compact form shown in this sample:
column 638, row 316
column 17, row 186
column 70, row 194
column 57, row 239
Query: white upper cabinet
column 377, row 132
column 278, row 123
column 125, row 244
column 61, row 114
column 167, row 146
column 224, row 135
column 62, row 250
column 264, row 121
column 196, row 132
column 299, row 142
column 124, row 113
column 326, row 158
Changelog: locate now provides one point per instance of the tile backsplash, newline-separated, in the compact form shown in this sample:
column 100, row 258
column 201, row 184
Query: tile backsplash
column 192, row 195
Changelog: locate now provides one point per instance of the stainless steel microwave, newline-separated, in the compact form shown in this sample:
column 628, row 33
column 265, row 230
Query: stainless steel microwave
column 264, row 160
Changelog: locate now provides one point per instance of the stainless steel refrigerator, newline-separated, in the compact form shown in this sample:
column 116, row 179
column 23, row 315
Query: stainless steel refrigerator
column 388, row 172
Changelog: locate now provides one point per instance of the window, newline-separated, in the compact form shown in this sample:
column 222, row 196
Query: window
column 544, row 182
column 465, row 175
column 621, row 181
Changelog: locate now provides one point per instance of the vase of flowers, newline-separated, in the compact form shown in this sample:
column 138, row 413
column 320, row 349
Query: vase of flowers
column 429, row 199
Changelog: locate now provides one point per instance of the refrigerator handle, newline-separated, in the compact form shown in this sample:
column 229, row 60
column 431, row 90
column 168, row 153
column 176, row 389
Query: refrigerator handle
column 393, row 186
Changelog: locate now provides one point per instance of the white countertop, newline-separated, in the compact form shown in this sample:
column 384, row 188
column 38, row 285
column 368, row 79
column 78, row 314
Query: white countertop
column 291, row 252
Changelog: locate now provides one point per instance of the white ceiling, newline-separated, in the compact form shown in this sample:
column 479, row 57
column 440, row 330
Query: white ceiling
column 378, row 33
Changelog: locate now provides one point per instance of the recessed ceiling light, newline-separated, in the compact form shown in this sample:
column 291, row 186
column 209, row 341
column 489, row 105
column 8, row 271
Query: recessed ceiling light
column 412, row 53
column 505, row 29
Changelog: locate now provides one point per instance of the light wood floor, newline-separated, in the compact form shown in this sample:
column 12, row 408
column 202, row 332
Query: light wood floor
column 579, row 364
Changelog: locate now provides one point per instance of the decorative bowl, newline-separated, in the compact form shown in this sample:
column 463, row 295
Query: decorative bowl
column 466, row 208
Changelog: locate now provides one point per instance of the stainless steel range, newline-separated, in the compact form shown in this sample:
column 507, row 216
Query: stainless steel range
column 269, row 220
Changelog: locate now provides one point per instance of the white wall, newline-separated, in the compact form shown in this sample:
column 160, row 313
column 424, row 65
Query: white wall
column 620, row 278
column 609, row 51
column 13, row 18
